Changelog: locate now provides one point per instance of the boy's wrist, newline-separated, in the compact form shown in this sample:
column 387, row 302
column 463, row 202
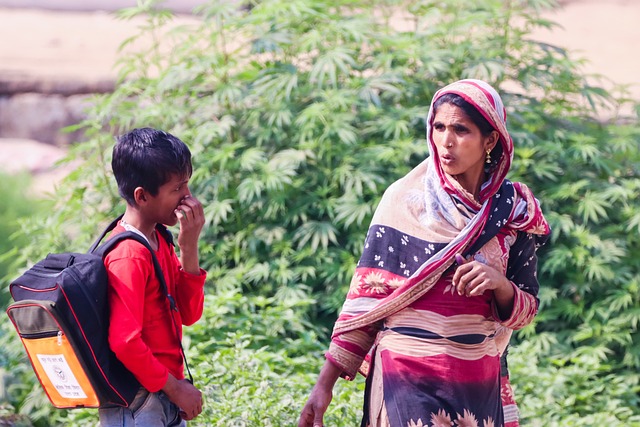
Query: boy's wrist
column 189, row 250
column 170, row 385
column 193, row 272
column 190, row 265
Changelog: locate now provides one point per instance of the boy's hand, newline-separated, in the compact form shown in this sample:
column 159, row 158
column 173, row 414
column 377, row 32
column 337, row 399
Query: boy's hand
column 190, row 214
column 185, row 395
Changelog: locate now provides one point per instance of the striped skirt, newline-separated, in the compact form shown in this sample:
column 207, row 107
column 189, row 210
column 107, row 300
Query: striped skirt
column 436, row 364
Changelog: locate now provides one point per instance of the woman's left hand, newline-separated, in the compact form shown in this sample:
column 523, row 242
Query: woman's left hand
column 473, row 278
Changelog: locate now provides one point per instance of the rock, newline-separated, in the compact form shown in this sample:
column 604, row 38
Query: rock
column 42, row 117
column 14, row 83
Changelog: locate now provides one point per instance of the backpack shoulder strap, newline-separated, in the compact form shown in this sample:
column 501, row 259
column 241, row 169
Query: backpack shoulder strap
column 162, row 230
column 165, row 233
column 104, row 233
column 105, row 248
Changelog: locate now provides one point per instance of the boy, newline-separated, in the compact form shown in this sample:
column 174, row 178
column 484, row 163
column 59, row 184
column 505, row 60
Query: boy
column 152, row 169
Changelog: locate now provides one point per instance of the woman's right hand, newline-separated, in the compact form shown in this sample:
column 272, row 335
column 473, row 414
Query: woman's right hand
column 313, row 412
column 320, row 398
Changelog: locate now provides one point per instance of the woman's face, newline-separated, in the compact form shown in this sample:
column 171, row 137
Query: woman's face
column 460, row 146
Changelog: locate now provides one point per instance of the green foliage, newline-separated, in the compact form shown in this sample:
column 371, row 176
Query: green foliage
column 299, row 114
column 15, row 206
column 580, row 390
column 256, row 360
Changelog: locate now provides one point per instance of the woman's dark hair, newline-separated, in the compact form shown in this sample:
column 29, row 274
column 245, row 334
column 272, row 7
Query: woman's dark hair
column 476, row 117
column 148, row 158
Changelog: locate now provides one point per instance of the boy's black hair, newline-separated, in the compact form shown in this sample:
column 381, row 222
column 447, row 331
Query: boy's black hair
column 148, row 158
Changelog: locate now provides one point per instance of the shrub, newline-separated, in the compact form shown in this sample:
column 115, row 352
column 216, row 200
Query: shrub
column 299, row 113
column 15, row 206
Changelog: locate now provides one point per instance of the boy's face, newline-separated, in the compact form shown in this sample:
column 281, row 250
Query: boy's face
column 162, row 206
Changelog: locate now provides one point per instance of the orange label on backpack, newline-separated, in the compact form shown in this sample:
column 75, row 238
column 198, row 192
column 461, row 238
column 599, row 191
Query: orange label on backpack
column 60, row 372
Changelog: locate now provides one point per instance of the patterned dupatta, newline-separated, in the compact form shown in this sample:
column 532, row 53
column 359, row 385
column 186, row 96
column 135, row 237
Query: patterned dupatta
column 423, row 220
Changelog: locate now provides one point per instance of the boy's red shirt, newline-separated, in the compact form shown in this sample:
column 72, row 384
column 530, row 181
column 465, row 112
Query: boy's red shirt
column 141, row 331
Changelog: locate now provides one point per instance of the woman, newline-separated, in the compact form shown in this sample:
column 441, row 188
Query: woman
column 447, row 271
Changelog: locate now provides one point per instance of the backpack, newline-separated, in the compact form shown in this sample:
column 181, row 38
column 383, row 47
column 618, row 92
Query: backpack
column 61, row 315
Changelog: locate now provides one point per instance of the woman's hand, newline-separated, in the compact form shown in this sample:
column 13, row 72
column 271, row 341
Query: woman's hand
column 313, row 412
column 472, row 278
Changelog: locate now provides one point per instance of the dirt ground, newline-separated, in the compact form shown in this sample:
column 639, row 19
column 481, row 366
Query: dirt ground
column 45, row 44
column 605, row 33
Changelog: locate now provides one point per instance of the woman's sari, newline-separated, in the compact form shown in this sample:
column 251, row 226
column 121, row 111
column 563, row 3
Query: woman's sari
column 432, row 356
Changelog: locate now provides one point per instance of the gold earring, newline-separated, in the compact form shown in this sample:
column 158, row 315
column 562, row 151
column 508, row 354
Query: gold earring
column 488, row 158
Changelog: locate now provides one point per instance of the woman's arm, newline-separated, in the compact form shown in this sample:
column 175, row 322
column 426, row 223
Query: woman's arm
column 313, row 412
column 515, row 295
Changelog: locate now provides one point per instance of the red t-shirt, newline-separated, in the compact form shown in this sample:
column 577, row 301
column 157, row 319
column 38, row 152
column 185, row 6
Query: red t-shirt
column 141, row 331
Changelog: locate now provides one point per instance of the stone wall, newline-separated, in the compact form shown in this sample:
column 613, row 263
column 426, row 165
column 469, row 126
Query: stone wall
column 40, row 109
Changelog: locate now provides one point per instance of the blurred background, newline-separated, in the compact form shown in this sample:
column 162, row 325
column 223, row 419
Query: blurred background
column 55, row 53
column 280, row 254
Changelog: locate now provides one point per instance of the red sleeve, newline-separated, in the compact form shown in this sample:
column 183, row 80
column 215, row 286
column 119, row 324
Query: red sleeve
column 189, row 293
column 127, row 271
column 188, row 290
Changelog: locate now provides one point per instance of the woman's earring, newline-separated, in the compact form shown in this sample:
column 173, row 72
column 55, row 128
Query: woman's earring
column 488, row 158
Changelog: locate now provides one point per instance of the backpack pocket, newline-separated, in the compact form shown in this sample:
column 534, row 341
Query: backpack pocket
column 52, row 353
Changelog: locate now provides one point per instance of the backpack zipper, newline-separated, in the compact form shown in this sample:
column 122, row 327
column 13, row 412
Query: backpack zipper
column 46, row 334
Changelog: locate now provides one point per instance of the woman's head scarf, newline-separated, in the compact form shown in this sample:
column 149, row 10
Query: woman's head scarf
column 481, row 96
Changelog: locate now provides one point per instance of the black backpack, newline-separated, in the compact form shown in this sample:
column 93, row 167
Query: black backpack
column 61, row 314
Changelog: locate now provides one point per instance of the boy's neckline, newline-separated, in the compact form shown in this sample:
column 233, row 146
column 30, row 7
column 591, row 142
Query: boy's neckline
column 153, row 242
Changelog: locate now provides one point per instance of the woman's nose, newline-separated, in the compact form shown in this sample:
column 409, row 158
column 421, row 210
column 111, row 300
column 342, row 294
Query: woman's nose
column 447, row 138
